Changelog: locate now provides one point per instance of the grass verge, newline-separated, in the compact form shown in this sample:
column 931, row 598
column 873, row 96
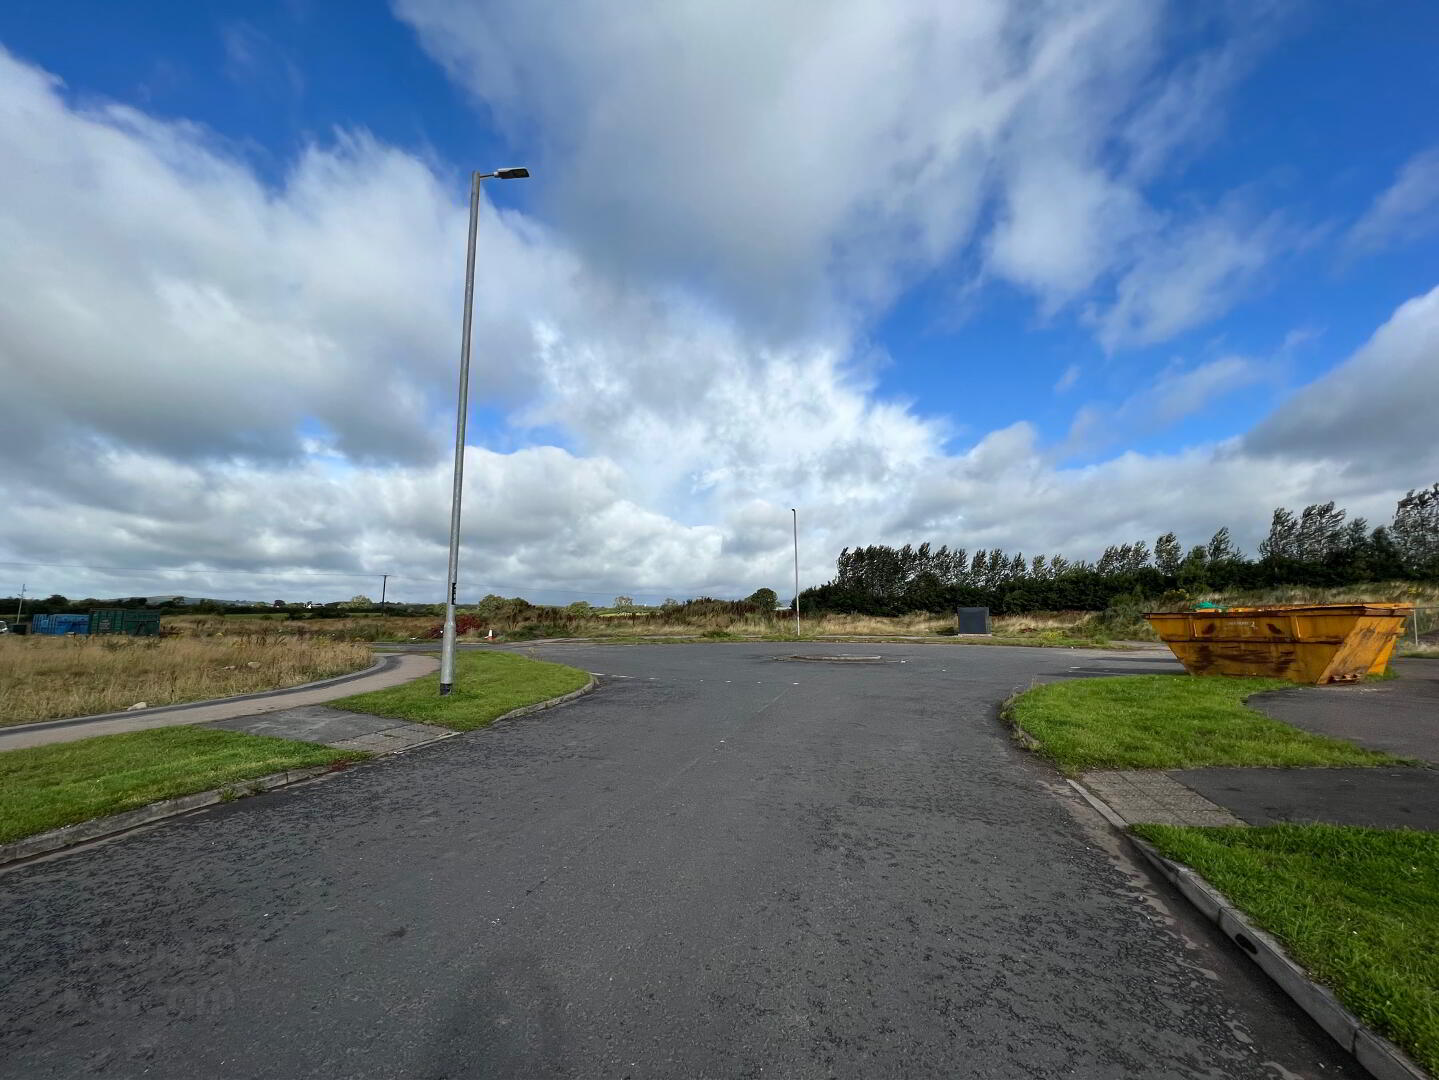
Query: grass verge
column 1170, row 722
column 45, row 787
column 487, row 685
column 1359, row 908
column 46, row 678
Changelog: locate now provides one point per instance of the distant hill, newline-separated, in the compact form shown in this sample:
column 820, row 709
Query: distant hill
column 187, row 601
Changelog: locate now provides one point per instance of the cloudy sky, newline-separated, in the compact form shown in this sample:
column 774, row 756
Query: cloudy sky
column 1041, row 274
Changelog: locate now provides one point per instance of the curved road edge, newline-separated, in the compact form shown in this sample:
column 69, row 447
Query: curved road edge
column 57, row 841
column 1374, row 1053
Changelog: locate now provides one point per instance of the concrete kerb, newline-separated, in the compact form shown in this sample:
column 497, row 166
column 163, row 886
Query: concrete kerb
column 47, row 843
column 526, row 710
column 55, row 840
column 1378, row 1056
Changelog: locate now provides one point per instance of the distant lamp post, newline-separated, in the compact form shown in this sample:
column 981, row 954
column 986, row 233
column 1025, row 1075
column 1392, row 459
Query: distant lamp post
column 796, row 570
column 447, row 645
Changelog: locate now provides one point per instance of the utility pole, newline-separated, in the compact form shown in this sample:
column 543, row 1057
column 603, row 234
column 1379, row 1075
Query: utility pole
column 796, row 570
column 384, row 583
column 21, row 605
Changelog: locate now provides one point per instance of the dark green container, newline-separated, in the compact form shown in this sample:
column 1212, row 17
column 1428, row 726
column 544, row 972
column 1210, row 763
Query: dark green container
column 125, row 621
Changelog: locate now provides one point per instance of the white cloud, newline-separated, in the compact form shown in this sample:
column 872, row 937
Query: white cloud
column 1406, row 210
column 804, row 162
column 1187, row 274
column 203, row 369
column 1375, row 415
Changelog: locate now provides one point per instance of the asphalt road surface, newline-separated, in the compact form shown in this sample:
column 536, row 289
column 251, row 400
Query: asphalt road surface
column 721, row 864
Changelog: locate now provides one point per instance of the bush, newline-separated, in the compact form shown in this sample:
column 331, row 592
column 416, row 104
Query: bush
column 1123, row 618
column 538, row 630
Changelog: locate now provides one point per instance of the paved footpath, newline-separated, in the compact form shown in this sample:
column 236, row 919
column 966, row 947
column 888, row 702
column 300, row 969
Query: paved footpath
column 721, row 864
column 1400, row 716
column 393, row 671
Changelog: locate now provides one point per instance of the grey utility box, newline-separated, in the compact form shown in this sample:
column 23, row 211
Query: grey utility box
column 973, row 620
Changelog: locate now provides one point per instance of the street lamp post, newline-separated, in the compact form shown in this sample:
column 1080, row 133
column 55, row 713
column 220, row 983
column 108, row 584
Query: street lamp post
column 796, row 570
column 447, row 645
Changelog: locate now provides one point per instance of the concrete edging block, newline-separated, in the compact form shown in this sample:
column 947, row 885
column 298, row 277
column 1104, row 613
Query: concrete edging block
column 541, row 706
column 47, row 843
column 1374, row 1053
column 54, row 840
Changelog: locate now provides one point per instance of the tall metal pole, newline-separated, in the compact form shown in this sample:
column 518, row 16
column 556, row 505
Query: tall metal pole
column 447, row 645
column 796, row 570
column 384, row 586
column 21, row 607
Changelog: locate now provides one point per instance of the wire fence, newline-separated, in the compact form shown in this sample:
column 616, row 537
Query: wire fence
column 1421, row 628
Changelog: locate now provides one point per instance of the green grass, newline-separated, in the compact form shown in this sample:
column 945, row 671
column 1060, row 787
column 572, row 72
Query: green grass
column 487, row 685
column 1359, row 908
column 45, row 787
column 1170, row 722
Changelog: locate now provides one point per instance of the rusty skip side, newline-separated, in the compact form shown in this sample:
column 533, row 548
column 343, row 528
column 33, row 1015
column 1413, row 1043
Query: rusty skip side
column 1317, row 643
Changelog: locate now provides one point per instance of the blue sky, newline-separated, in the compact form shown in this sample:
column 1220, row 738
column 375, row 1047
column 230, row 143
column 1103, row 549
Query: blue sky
column 1121, row 247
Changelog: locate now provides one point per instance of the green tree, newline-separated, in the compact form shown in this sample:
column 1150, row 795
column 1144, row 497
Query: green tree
column 1168, row 554
column 1194, row 570
column 767, row 599
column 1283, row 539
column 1221, row 547
column 1320, row 532
column 623, row 602
column 494, row 606
column 1415, row 532
column 1111, row 561
column 1137, row 557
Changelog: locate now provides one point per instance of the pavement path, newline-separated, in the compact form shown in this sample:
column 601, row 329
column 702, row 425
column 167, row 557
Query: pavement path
column 721, row 864
column 393, row 671
column 1400, row 715
column 337, row 728
column 1399, row 798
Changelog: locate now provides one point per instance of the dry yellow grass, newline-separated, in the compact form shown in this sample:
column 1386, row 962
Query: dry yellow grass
column 353, row 628
column 1037, row 627
column 1419, row 593
column 44, row 678
column 1038, row 622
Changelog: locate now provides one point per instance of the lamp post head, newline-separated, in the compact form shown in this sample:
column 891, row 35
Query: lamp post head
column 512, row 174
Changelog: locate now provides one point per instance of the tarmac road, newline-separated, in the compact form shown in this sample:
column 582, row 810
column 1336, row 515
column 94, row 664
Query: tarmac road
column 721, row 864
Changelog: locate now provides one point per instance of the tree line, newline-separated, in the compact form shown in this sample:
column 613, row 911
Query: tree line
column 1319, row 546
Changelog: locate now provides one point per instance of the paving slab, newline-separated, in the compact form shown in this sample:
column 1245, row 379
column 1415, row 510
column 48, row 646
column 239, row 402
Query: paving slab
column 335, row 727
column 1155, row 797
column 1400, row 715
column 1383, row 798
